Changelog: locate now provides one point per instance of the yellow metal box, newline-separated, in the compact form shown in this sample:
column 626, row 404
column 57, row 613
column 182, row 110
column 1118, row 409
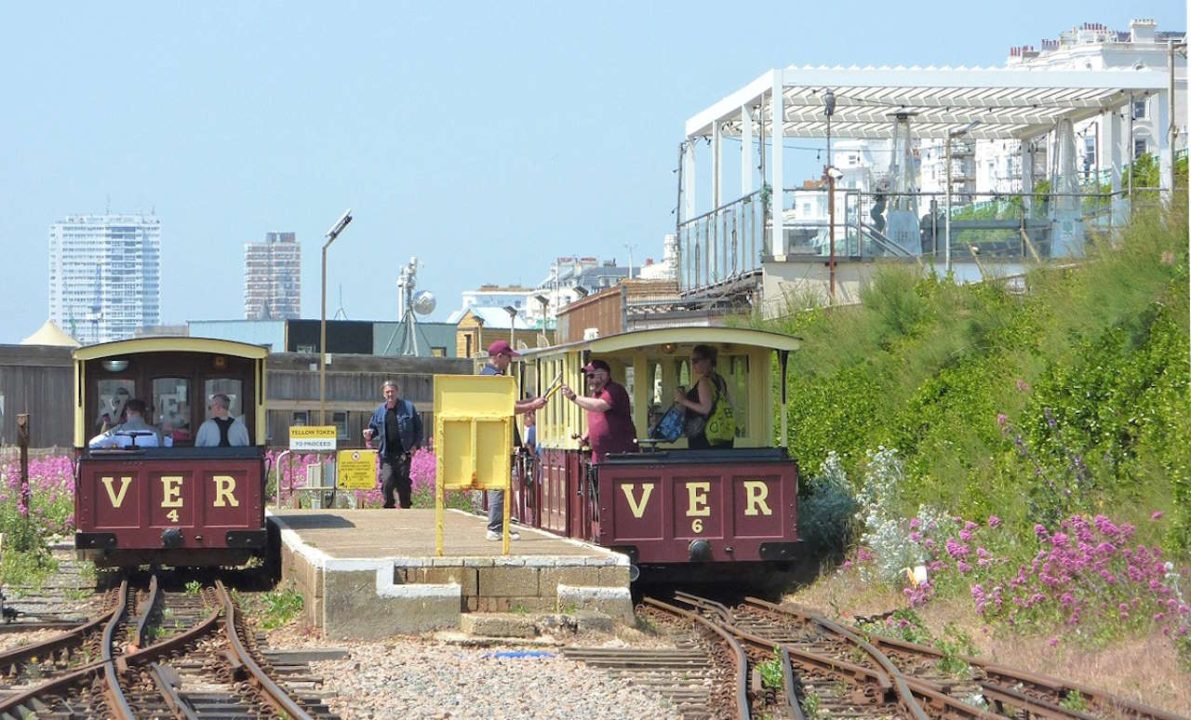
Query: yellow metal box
column 473, row 430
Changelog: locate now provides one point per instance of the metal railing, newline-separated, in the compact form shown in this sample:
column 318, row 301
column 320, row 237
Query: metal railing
column 734, row 239
column 723, row 244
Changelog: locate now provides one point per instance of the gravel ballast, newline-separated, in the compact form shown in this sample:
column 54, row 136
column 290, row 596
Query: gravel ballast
column 428, row 678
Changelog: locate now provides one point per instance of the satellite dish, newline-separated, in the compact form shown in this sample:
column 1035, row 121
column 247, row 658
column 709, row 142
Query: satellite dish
column 424, row 302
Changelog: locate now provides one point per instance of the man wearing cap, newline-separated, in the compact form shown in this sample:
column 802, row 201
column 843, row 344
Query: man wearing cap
column 500, row 354
column 610, row 427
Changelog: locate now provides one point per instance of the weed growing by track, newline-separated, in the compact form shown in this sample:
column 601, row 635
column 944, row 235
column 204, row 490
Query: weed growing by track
column 278, row 607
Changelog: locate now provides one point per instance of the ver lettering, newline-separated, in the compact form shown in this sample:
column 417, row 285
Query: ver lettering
column 225, row 491
column 171, row 491
column 635, row 506
column 697, row 499
column 117, row 498
column 755, row 492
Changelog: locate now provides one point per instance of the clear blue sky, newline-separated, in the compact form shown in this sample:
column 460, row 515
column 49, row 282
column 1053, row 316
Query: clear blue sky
column 484, row 138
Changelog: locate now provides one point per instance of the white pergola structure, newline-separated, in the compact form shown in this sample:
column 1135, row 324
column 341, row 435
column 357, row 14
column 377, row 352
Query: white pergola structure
column 1015, row 104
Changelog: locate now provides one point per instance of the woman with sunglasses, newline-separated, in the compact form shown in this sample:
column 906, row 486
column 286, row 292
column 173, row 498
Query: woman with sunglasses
column 700, row 400
column 610, row 427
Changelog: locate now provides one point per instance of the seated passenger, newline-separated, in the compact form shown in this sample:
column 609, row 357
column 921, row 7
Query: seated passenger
column 221, row 430
column 133, row 432
column 610, row 427
column 115, row 414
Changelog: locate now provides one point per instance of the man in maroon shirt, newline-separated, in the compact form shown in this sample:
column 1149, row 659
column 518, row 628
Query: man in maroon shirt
column 610, row 426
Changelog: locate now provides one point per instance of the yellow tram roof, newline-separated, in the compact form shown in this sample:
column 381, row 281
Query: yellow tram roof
column 676, row 335
column 171, row 344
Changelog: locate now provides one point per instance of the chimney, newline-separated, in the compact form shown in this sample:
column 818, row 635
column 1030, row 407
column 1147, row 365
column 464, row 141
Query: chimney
column 1142, row 30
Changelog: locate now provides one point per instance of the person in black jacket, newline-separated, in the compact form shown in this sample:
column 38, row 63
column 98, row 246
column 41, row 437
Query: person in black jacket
column 397, row 423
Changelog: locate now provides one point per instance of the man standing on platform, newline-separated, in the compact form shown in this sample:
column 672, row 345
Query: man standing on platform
column 399, row 426
column 500, row 354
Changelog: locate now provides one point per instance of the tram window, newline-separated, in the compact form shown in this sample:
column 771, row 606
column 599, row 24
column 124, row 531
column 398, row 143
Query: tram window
column 339, row 420
column 736, row 374
column 234, row 389
column 171, row 408
column 113, row 395
column 630, row 382
column 655, row 384
column 300, row 418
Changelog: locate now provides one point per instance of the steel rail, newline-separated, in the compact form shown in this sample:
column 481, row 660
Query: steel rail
column 113, row 693
column 145, row 612
column 138, row 657
column 823, row 663
column 1009, row 693
column 166, row 680
column 917, row 690
column 271, row 691
column 741, row 660
column 59, row 683
column 48, row 647
column 932, row 694
column 788, row 686
column 1042, row 682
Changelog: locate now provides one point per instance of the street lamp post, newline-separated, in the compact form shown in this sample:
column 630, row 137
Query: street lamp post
column 322, row 341
column 947, row 198
column 545, row 303
column 829, row 176
column 512, row 311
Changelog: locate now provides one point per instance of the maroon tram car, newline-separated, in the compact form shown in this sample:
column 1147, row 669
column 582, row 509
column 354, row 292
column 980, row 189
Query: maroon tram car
column 678, row 512
column 155, row 498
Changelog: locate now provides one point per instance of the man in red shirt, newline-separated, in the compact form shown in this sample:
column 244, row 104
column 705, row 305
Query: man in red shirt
column 610, row 426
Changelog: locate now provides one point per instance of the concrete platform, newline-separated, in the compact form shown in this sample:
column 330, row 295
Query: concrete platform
column 373, row 573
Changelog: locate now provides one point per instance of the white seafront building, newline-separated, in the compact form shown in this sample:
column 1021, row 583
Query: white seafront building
column 105, row 275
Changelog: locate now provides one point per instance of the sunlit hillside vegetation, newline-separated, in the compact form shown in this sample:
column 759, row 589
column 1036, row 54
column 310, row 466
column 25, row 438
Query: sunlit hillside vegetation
column 1068, row 398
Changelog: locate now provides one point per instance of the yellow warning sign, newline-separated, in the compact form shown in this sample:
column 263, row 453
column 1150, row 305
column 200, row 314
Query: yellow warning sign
column 357, row 469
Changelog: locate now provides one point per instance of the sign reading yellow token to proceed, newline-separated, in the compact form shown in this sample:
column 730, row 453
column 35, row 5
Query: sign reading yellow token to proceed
column 473, row 439
column 357, row 469
column 312, row 438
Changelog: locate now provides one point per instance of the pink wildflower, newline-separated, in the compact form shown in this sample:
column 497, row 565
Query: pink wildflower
column 994, row 521
column 1156, row 515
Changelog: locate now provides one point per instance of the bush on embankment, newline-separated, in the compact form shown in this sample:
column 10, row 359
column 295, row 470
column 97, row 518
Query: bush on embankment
column 1061, row 408
column 1068, row 398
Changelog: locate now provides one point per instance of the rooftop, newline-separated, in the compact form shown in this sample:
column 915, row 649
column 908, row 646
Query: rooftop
column 1007, row 103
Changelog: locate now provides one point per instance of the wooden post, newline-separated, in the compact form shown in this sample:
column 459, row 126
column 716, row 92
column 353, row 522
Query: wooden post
column 23, row 444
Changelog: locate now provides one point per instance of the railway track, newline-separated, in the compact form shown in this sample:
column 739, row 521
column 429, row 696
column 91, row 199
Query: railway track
column 61, row 602
column 703, row 675
column 168, row 655
column 829, row 669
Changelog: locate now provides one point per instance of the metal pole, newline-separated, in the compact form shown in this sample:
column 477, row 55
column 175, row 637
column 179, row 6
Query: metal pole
column 831, row 226
column 1132, row 153
column 947, row 209
column 322, row 343
column 322, row 346
column 23, row 444
column 1172, row 128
